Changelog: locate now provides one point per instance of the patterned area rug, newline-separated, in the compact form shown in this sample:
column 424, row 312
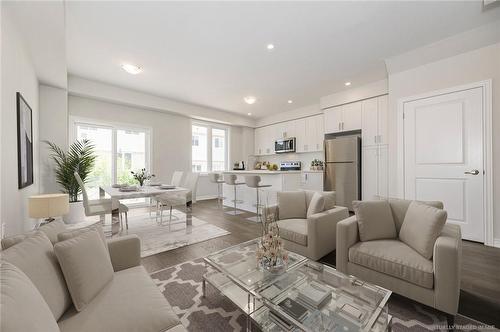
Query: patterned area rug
column 156, row 238
column 182, row 287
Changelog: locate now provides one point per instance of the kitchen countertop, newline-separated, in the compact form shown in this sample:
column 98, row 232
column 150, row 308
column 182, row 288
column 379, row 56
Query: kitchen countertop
column 258, row 171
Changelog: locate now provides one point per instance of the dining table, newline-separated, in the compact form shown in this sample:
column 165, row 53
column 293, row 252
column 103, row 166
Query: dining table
column 117, row 194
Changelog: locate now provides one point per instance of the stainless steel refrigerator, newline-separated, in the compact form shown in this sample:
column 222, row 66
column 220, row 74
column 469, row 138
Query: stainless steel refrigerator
column 343, row 169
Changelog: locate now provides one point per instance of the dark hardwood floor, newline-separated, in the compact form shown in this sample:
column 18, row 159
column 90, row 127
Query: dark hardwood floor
column 480, row 287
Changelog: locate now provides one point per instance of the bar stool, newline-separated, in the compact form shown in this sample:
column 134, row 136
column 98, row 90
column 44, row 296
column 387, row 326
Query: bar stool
column 231, row 181
column 216, row 178
column 253, row 181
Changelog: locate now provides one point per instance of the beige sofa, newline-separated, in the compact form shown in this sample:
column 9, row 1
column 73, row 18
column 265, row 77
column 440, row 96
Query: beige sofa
column 392, row 264
column 129, row 302
column 312, row 236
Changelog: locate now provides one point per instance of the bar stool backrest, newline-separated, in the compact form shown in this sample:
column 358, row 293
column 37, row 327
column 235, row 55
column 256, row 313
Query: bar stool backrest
column 252, row 181
column 214, row 177
column 230, row 179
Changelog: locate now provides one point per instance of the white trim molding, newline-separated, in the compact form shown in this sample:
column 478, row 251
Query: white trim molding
column 486, row 87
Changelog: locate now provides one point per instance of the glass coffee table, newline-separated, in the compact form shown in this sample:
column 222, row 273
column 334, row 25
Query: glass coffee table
column 351, row 305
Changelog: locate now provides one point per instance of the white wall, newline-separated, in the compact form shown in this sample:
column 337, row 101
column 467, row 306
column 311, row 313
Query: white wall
column 53, row 127
column 171, row 136
column 18, row 74
column 473, row 66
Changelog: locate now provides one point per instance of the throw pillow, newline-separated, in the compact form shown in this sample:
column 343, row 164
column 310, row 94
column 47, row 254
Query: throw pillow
column 35, row 257
column 292, row 204
column 75, row 232
column 23, row 307
column 51, row 230
column 374, row 220
column 86, row 266
column 316, row 205
column 421, row 227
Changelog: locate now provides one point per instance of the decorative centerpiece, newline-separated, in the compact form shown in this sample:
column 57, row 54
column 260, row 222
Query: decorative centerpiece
column 142, row 176
column 271, row 253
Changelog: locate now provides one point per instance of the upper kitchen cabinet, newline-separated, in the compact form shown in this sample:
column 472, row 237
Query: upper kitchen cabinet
column 343, row 118
column 374, row 121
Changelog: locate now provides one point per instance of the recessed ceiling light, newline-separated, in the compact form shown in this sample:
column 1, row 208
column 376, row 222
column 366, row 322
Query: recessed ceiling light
column 290, row 101
column 270, row 47
column 131, row 69
column 250, row 100
column 347, row 83
column 249, row 114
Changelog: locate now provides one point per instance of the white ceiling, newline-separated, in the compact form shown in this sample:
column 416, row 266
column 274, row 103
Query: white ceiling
column 214, row 53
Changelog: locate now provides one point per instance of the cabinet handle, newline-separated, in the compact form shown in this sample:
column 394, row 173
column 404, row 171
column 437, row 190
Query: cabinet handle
column 342, row 126
column 375, row 139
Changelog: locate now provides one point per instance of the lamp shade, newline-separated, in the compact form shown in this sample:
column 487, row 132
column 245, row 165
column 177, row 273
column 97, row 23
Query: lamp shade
column 48, row 205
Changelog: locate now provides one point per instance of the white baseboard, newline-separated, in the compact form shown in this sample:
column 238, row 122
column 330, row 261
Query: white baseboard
column 496, row 243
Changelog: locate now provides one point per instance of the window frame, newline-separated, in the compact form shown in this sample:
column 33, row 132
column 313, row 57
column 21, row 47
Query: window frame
column 210, row 126
column 114, row 126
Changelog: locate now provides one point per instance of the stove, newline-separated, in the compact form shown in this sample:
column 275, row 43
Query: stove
column 290, row 166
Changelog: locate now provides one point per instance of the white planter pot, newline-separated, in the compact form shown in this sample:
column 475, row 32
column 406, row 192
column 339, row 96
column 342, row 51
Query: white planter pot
column 76, row 213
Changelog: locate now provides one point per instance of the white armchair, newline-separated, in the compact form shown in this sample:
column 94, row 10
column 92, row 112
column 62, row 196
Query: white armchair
column 304, row 229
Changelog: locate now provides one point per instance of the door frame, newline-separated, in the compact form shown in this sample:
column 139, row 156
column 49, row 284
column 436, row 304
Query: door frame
column 487, row 147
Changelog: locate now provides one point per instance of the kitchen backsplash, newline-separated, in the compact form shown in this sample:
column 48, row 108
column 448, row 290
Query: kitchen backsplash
column 304, row 158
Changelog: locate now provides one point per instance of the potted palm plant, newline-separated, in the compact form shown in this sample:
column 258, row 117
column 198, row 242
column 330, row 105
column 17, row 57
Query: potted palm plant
column 80, row 157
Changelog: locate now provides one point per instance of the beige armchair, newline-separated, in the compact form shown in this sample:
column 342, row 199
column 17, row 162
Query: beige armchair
column 312, row 236
column 392, row 264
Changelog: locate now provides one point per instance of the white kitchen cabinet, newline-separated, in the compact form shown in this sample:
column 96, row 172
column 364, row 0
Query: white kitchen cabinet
column 333, row 120
column 268, row 141
column 320, row 132
column 374, row 171
column 382, row 120
column 301, row 137
column 351, row 116
column 312, row 180
column 343, row 118
column 258, row 140
column 374, row 121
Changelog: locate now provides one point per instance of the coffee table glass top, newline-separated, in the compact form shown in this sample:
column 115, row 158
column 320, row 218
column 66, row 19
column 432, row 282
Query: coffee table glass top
column 239, row 263
column 353, row 304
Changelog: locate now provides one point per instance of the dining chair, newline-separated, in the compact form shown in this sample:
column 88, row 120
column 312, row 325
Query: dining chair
column 184, row 198
column 99, row 207
column 176, row 181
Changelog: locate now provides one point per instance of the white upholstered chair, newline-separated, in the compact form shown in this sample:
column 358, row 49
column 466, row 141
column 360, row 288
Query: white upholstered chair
column 99, row 207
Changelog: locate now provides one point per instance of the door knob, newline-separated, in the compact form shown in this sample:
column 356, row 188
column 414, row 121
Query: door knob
column 473, row 172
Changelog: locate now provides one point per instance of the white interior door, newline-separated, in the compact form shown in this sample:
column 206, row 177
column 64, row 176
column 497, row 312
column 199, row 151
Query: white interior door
column 443, row 156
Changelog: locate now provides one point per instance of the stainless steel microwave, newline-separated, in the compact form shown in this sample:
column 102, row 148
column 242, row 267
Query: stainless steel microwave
column 284, row 145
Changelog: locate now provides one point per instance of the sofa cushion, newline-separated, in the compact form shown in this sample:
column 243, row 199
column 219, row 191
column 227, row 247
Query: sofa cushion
column 35, row 257
column 69, row 234
column 374, row 220
column 400, row 206
column 294, row 230
column 422, row 226
column 316, row 205
column 130, row 302
column 51, row 230
column 23, row 307
column 329, row 197
column 292, row 204
column 86, row 266
column 394, row 258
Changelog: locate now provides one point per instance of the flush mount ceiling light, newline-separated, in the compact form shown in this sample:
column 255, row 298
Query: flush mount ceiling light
column 249, row 114
column 347, row 83
column 270, row 47
column 131, row 69
column 250, row 100
column 290, row 101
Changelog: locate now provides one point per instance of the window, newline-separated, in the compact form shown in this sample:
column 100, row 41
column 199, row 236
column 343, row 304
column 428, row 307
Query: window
column 119, row 151
column 208, row 157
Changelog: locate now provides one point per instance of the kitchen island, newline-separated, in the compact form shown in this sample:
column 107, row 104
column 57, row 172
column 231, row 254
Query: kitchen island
column 279, row 181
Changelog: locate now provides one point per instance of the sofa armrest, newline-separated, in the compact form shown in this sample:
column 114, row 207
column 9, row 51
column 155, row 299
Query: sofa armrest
column 322, row 230
column 347, row 236
column 447, row 260
column 125, row 252
column 271, row 209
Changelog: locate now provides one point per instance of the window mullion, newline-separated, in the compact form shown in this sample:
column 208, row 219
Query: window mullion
column 209, row 148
